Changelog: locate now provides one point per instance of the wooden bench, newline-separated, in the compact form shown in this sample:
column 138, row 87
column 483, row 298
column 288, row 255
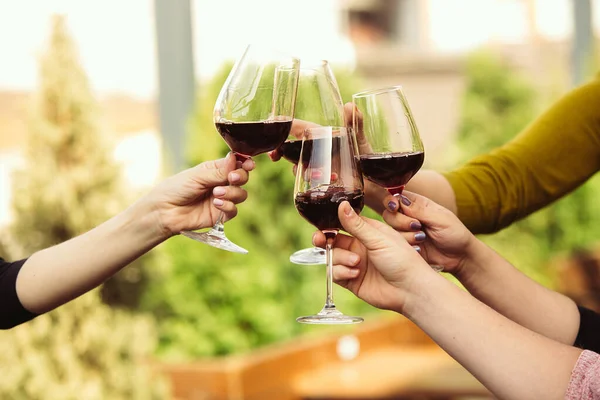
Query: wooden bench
column 396, row 361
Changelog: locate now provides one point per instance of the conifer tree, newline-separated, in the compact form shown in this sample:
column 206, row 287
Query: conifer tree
column 84, row 349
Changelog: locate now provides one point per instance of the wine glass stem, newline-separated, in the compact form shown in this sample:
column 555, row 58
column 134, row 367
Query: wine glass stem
column 218, row 226
column 330, row 237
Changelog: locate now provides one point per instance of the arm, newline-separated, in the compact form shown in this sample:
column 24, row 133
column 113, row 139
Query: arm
column 56, row 275
column 189, row 200
column 484, row 273
column 510, row 360
column 558, row 152
column 495, row 282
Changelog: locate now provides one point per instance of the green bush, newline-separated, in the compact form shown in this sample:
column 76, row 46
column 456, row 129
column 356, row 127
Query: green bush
column 212, row 302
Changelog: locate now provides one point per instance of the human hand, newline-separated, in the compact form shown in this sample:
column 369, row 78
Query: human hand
column 377, row 264
column 193, row 199
column 442, row 238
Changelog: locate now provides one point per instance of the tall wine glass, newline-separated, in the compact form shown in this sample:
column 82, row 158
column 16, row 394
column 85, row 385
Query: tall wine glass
column 318, row 103
column 392, row 152
column 328, row 173
column 253, row 114
column 391, row 148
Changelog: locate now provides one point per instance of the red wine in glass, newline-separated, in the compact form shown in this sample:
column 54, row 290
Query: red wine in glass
column 290, row 150
column 320, row 207
column 391, row 170
column 252, row 138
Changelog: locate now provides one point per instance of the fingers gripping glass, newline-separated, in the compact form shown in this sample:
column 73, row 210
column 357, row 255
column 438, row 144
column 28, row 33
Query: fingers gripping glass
column 327, row 174
column 391, row 149
column 318, row 103
column 253, row 114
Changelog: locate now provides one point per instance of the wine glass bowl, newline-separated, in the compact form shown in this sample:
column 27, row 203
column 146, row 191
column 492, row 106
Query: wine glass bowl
column 328, row 173
column 393, row 151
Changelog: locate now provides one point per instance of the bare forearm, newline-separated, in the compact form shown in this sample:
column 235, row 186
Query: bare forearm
column 54, row 276
column 427, row 183
column 511, row 361
column 434, row 186
column 495, row 282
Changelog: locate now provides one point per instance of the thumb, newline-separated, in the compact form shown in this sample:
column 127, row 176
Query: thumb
column 358, row 227
column 211, row 177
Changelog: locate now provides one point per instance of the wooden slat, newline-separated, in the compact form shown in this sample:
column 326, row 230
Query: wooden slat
column 390, row 373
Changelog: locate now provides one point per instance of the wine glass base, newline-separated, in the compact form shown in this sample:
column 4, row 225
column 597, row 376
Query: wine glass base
column 215, row 239
column 329, row 317
column 310, row 256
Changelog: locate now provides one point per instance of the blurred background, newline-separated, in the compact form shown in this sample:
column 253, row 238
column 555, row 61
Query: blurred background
column 100, row 100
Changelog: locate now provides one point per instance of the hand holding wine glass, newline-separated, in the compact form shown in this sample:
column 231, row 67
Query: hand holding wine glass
column 391, row 148
column 328, row 174
column 253, row 114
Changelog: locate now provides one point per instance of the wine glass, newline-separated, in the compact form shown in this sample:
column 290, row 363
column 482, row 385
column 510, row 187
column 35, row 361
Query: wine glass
column 391, row 149
column 328, row 173
column 253, row 114
column 318, row 103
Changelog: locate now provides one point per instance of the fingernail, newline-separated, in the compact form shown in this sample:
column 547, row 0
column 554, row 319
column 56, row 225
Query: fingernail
column 419, row 237
column 417, row 248
column 234, row 177
column 218, row 202
column 392, row 205
column 354, row 272
column 405, row 200
column 219, row 191
column 349, row 211
column 415, row 226
column 354, row 259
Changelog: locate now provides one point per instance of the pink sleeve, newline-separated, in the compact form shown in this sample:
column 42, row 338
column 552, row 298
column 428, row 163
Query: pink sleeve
column 585, row 378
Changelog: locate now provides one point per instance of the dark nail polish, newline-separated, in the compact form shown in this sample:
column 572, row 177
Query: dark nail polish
column 420, row 236
column 417, row 248
column 415, row 226
column 392, row 205
column 405, row 200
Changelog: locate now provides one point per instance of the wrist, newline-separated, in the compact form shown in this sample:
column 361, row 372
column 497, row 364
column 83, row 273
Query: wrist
column 418, row 291
column 146, row 219
column 476, row 253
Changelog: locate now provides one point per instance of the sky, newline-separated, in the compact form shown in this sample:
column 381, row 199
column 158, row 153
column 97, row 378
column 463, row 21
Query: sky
column 116, row 38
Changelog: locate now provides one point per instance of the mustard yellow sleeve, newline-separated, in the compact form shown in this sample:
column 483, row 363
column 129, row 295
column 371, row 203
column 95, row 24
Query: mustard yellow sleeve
column 554, row 155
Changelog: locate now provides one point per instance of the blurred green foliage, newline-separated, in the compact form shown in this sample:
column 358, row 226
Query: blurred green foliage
column 212, row 302
column 497, row 105
column 85, row 349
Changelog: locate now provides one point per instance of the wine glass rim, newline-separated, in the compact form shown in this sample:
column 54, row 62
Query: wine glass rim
column 317, row 132
column 380, row 90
